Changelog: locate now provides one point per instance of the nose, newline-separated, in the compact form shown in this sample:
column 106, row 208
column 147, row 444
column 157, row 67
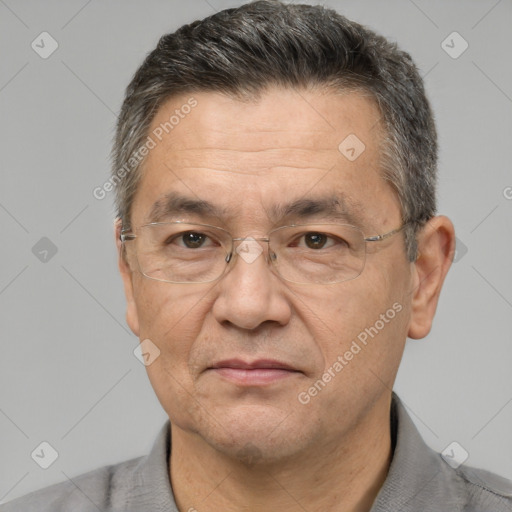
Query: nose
column 250, row 294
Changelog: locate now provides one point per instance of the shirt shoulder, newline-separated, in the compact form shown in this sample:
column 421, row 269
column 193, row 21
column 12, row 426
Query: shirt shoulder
column 134, row 485
column 89, row 492
column 485, row 491
column 421, row 480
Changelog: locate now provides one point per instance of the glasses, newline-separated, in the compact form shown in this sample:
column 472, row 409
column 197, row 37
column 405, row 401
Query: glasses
column 180, row 252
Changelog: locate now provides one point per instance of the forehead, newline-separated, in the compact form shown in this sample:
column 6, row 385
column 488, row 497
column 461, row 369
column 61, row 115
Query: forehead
column 286, row 146
column 314, row 122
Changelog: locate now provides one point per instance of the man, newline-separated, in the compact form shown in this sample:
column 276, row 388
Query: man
column 275, row 169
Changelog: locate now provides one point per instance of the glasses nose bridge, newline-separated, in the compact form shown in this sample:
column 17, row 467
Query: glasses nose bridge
column 251, row 250
column 252, row 238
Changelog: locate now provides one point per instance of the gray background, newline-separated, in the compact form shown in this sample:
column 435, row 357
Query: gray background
column 68, row 375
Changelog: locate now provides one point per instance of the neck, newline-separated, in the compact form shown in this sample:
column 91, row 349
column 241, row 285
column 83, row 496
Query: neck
column 339, row 475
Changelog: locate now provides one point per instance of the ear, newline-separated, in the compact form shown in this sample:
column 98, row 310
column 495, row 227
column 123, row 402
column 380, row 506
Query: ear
column 132, row 317
column 436, row 248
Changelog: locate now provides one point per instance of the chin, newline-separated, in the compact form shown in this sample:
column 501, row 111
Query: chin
column 260, row 434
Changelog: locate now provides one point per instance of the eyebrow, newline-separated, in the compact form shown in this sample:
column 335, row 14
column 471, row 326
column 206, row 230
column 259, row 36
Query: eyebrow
column 173, row 204
column 335, row 207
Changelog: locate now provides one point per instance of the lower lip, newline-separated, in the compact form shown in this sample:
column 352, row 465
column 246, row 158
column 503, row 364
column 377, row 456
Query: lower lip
column 254, row 377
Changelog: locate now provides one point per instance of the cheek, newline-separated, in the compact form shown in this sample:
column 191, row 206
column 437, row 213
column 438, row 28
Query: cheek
column 361, row 349
column 171, row 318
column 168, row 312
column 380, row 309
column 362, row 325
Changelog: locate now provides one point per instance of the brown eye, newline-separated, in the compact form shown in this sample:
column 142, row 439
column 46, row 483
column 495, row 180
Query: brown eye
column 315, row 240
column 193, row 240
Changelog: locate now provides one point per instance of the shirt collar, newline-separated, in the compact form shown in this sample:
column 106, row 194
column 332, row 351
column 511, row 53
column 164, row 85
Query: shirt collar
column 151, row 487
column 415, row 468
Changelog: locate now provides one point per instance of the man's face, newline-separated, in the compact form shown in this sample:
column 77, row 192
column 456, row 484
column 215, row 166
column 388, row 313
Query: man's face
column 247, row 159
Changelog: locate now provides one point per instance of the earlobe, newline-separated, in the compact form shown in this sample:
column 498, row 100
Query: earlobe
column 436, row 248
column 126, row 274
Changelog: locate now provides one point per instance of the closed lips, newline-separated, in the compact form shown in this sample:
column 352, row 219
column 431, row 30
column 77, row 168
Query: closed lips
column 255, row 365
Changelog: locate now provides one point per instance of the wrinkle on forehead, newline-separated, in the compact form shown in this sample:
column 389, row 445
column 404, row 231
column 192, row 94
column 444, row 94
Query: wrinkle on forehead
column 253, row 161
column 283, row 129
column 224, row 122
column 264, row 155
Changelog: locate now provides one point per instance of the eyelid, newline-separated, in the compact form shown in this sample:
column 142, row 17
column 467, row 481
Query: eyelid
column 330, row 239
column 177, row 238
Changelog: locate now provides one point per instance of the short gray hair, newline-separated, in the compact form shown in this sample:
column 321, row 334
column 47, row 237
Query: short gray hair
column 243, row 51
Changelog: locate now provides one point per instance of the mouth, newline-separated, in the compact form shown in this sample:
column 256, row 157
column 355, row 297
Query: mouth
column 255, row 373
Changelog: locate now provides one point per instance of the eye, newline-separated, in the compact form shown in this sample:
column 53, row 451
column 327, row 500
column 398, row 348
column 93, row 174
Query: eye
column 193, row 240
column 189, row 240
column 318, row 240
column 315, row 240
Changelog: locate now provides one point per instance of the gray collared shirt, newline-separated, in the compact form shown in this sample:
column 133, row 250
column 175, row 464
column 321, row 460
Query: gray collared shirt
column 418, row 480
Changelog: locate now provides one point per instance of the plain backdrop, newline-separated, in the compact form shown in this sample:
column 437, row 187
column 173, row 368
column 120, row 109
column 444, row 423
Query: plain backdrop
column 68, row 375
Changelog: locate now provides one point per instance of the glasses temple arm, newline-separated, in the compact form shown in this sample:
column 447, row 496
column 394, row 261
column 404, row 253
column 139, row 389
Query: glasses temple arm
column 378, row 238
